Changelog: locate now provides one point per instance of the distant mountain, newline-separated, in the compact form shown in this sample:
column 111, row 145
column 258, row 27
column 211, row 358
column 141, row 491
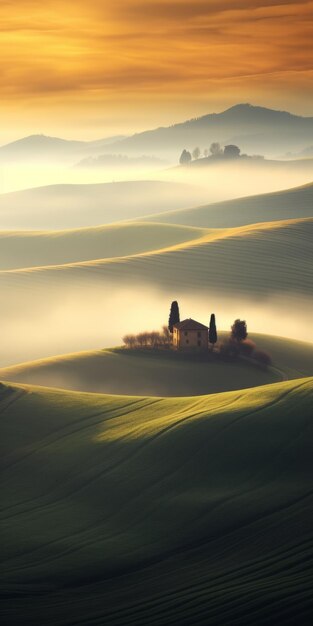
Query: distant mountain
column 256, row 129
column 42, row 147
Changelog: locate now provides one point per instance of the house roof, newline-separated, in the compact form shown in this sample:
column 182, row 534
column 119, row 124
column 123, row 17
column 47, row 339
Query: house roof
column 190, row 324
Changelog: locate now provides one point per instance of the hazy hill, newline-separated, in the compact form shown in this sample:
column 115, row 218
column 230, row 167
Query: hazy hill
column 182, row 511
column 73, row 206
column 163, row 373
column 237, row 261
column 121, row 161
column 43, row 147
column 288, row 204
column 20, row 249
column 256, row 129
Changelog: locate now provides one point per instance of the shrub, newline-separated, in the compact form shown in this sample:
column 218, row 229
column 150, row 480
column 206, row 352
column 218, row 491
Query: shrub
column 247, row 347
column 263, row 358
column 229, row 349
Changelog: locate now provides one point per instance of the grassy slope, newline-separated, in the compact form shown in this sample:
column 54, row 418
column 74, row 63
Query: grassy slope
column 289, row 204
column 238, row 261
column 30, row 249
column 124, row 510
column 162, row 373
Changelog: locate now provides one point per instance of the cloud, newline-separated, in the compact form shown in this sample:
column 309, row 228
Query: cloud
column 101, row 51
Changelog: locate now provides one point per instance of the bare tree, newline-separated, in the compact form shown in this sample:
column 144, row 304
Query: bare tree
column 215, row 149
column 196, row 153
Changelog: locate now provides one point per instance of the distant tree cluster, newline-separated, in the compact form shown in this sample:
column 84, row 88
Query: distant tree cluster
column 149, row 339
column 215, row 151
column 238, row 344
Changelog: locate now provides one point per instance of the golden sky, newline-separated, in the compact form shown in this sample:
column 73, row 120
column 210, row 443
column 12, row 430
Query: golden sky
column 94, row 67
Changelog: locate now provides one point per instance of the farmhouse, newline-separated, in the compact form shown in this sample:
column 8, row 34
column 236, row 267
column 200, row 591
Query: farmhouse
column 190, row 334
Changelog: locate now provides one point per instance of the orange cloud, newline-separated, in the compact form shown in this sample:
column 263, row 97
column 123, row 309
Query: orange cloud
column 153, row 52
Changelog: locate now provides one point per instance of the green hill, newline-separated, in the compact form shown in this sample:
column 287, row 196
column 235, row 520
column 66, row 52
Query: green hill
column 281, row 205
column 127, row 510
column 41, row 248
column 162, row 372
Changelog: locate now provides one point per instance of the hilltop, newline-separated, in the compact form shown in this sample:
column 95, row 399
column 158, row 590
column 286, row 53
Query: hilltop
column 163, row 372
column 256, row 129
column 43, row 147
column 119, row 510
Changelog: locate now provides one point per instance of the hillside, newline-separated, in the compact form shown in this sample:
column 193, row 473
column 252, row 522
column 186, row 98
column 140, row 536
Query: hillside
column 238, row 260
column 126, row 510
column 258, row 129
column 74, row 206
column 20, row 249
column 288, row 204
column 164, row 373
column 40, row 148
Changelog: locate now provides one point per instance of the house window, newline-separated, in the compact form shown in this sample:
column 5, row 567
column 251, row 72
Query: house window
column 187, row 340
column 199, row 335
column 186, row 333
column 199, row 342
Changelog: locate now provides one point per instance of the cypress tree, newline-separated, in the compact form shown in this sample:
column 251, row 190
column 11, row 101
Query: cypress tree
column 174, row 316
column 212, row 331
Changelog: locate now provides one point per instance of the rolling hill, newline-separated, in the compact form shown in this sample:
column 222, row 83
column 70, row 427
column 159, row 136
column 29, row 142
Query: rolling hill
column 164, row 373
column 238, row 261
column 74, row 206
column 262, row 272
column 133, row 510
column 20, row 249
column 40, row 148
column 256, row 129
column 281, row 205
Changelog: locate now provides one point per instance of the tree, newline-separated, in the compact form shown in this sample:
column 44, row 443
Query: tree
column 215, row 148
column 212, row 331
column 206, row 153
column 231, row 151
column 166, row 335
column 196, row 153
column 174, row 316
column 185, row 157
column 239, row 330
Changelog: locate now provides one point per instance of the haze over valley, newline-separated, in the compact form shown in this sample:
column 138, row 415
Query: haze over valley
column 156, row 297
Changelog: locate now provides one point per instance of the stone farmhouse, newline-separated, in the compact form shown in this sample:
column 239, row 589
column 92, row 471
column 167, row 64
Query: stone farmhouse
column 190, row 334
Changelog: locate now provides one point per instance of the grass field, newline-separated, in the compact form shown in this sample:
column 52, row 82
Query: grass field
column 161, row 372
column 281, row 205
column 127, row 510
column 238, row 261
column 23, row 249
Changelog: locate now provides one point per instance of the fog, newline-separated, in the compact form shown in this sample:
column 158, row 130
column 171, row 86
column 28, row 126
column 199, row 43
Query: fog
column 52, row 320
column 222, row 181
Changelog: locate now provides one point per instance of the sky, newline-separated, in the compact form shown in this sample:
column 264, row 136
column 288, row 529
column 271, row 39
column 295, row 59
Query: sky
column 93, row 69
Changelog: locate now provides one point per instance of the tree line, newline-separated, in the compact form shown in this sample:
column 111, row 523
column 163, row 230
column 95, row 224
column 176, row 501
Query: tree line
column 215, row 150
column 149, row 339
